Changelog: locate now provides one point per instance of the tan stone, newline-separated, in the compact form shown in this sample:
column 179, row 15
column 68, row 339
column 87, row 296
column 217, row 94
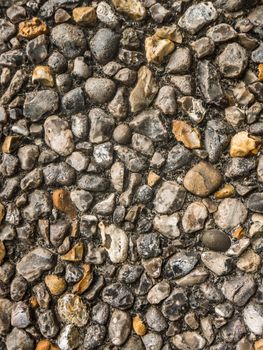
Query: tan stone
column 2, row 252
column 172, row 33
column 157, row 48
column 45, row 345
column 258, row 344
column 225, row 192
column 238, row 233
column 139, row 326
column 55, row 284
column 71, row 309
column 75, row 253
column 132, row 8
column 249, row 261
column 2, row 212
column 185, row 133
column 43, row 75
column 85, row 15
column 85, row 282
column 62, row 201
column 33, row 302
column 10, row 144
column 143, row 93
column 242, row 145
column 203, row 179
column 152, row 178
column 32, row 28
column 260, row 72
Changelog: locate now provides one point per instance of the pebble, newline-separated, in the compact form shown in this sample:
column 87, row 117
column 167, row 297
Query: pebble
column 69, row 39
column 72, row 310
column 242, row 145
column 216, row 240
column 231, row 213
column 197, row 16
column 85, row 15
column 194, row 217
column 100, row 90
column 118, row 296
column 106, row 15
column 145, row 90
column 55, row 284
column 188, row 340
column 186, row 134
column 253, row 318
column 131, row 8
column 33, row 264
column 69, row 338
column 101, row 126
column 152, row 341
column 159, row 292
column 20, row 316
column 39, row 103
column 232, row 61
column 104, row 45
column 94, row 336
column 6, row 310
column 174, row 305
column 167, row 225
column 202, row 180
column 216, row 262
column 169, row 198
column 119, row 327
column 180, row 264
column 19, row 339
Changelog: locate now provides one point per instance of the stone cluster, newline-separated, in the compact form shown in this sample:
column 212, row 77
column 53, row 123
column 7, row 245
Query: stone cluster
column 131, row 196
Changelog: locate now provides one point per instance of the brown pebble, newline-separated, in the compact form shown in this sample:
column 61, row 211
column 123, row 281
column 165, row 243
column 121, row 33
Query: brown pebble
column 55, row 284
column 32, row 28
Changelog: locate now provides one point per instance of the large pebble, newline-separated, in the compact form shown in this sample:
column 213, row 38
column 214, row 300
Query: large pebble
column 119, row 327
column 58, row 136
column 72, row 310
column 69, row 39
column 118, row 296
column 115, row 241
column 169, row 198
column 231, row 213
column 104, row 45
column 216, row 240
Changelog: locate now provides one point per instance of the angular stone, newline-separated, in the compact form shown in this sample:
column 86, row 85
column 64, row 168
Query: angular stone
column 180, row 264
column 157, row 48
column 169, row 198
column 231, row 213
column 243, row 145
column 197, row 16
column 33, row 264
column 185, row 133
column 208, row 80
column 133, row 161
column 39, row 205
column 115, row 241
column 106, row 14
column 32, row 28
column 175, row 305
column 249, row 261
column 118, row 296
column 233, row 60
column 38, row 103
column 72, row 310
column 158, row 292
column 255, row 202
column 217, row 262
column 94, row 337
column 221, row 32
column 239, row 289
column 189, row 340
column 36, row 49
column 202, row 180
column 43, row 75
column 131, row 8
column 194, row 217
column 5, row 319
column 19, row 339
column 58, row 136
column 101, row 126
column 143, row 93
column 180, row 61
column 85, row 15
column 148, row 123
column 68, row 339
column 58, row 174
column 167, row 225
column 253, row 318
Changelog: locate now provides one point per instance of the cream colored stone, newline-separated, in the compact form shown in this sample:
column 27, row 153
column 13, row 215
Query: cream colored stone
column 185, row 133
column 85, row 15
column 172, row 33
column 132, row 8
column 243, row 145
column 249, row 261
column 145, row 90
column 43, row 75
column 157, row 48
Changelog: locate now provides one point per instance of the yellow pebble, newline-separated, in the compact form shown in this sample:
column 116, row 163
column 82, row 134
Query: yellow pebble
column 139, row 326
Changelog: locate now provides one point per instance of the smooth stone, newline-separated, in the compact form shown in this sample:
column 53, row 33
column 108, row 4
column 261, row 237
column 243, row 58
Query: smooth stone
column 59, row 174
column 233, row 60
column 189, row 340
column 119, row 327
column 158, row 292
column 203, row 179
column 216, row 240
column 253, row 318
column 69, row 39
column 104, row 45
column 100, row 90
column 255, row 202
